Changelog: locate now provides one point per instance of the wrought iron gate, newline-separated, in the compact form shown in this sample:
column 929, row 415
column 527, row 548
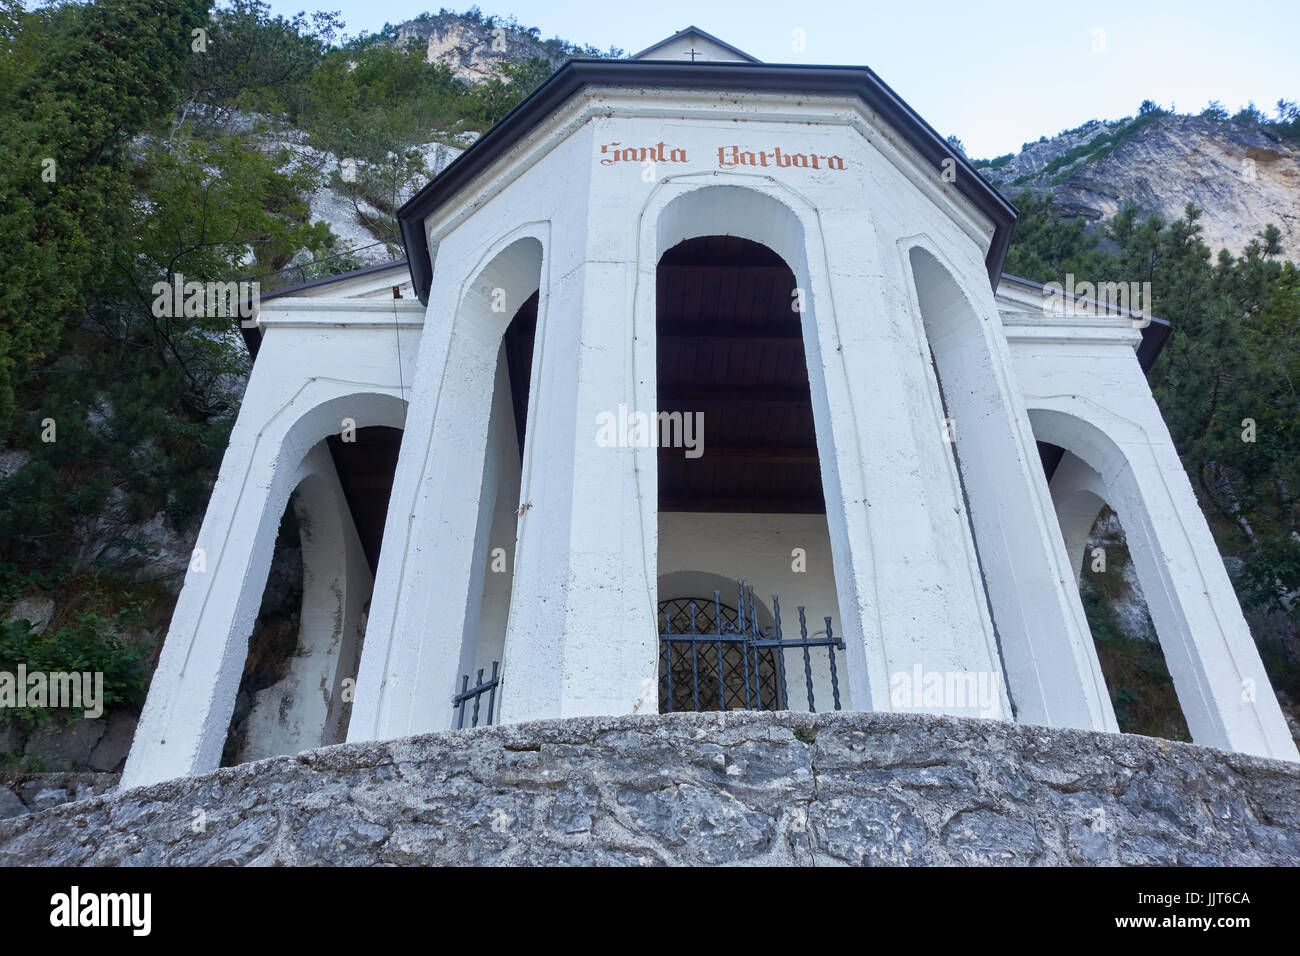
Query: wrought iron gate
column 475, row 695
column 716, row 657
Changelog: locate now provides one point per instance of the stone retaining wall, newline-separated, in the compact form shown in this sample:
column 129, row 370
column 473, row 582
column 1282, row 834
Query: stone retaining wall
column 29, row 792
column 701, row 789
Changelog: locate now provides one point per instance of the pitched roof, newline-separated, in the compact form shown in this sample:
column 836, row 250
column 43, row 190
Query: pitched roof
column 695, row 33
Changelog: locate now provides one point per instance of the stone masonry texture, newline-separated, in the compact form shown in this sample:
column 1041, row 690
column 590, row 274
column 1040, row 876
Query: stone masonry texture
column 700, row 789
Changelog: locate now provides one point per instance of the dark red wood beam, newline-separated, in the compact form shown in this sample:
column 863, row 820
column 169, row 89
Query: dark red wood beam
column 792, row 506
column 769, row 456
column 691, row 399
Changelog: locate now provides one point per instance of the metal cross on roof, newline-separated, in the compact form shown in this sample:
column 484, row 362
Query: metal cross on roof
column 692, row 53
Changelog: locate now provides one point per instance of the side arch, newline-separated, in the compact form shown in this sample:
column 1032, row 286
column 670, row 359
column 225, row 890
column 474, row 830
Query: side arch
column 424, row 619
column 191, row 698
column 1225, row 695
column 307, row 707
column 762, row 211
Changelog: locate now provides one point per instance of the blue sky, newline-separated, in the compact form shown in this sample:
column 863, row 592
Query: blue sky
column 994, row 74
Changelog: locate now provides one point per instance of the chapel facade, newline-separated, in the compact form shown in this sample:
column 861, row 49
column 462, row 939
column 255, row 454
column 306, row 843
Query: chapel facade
column 701, row 388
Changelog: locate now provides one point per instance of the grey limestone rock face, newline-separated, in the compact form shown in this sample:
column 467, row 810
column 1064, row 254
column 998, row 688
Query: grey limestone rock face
column 1242, row 176
column 700, row 789
column 63, row 746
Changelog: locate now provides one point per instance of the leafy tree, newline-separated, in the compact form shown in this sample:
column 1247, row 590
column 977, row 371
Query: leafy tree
column 490, row 101
column 110, row 69
column 90, row 643
column 1250, row 114
column 256, row 62
column 143, row 401
column 1046, row 247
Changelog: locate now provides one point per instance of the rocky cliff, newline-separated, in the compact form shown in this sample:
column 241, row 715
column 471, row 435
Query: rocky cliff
column 1244, row 174
column 476, row 47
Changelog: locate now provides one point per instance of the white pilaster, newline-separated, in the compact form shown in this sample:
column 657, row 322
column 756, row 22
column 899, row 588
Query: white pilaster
column 1043, row 634
column 428, row 587
column 582, row 638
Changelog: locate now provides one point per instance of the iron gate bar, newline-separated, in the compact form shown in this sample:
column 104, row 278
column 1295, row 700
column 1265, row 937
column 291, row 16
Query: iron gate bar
column 717, row 617
column 668, row 659
column 749, row 638
column 780, row 654
column 695, row 665
column 743, row 619
column 475, row 694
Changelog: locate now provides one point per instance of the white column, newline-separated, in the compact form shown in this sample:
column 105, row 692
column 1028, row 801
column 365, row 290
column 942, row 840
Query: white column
column 1077, row 495
column 1046, row 647
column 902, row 548
column 305, row 709
column 424, row 599
column 192, row 695
column 428, row 589
column 582, row 638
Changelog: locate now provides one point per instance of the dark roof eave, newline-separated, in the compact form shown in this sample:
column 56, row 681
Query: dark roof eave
column 252, row 334
column 327, row 280
column 759, row 77
column 1154, row 337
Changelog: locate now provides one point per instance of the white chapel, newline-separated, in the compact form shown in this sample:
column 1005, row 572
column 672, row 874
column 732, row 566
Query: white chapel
column 701, row 388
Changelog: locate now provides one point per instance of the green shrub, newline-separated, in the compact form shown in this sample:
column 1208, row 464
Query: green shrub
column 91, row 643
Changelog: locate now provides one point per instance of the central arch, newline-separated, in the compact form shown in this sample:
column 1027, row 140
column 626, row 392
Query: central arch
column 732, row 323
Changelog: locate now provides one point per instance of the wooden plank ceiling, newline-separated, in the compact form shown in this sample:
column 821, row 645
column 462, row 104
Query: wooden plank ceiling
column 730, row 345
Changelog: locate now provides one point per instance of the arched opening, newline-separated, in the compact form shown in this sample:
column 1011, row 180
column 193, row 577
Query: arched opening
column 740, row 484
column 299, row 675
column 476, row 701
column 444, row 596
column 1138, row 681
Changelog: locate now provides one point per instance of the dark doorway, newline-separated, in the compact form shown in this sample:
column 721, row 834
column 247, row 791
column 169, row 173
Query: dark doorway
column 730, row 345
